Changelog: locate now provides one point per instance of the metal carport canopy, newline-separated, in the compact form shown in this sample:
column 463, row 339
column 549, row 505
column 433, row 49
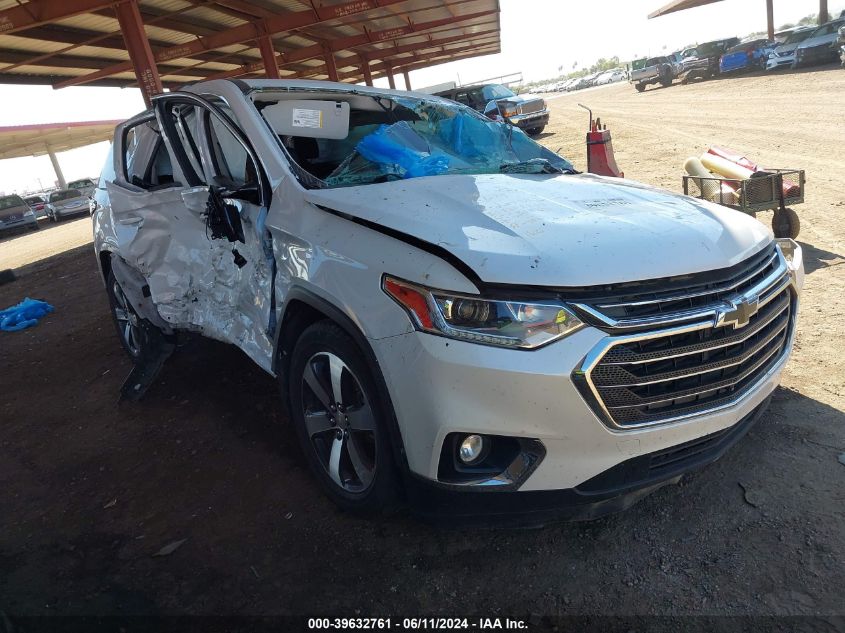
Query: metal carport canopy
column 155, row 44
column 680, row 5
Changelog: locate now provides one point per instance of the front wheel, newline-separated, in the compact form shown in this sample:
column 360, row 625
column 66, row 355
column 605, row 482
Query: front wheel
column 126, row 319
column 340, row 420
column 536, row 131
column 640, row 87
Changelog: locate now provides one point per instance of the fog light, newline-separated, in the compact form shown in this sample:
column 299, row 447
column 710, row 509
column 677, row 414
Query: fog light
column 471, row 448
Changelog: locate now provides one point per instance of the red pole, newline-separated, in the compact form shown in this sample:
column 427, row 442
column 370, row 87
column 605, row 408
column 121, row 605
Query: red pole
column 390, row 80
column 824, row 16
column 138, row 47
column 407, row 79
column 268, row 56
column 331, row 67
column 365, row 68
column 770, row 15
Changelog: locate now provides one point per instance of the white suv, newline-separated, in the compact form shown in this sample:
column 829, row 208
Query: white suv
column 453, row 313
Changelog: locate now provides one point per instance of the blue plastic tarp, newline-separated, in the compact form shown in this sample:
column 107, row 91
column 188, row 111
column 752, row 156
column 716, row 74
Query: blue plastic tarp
column 23, row 315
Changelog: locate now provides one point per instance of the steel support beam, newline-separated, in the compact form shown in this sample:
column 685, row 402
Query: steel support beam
column 389, row 72
column 770, row 18
column 60, row 177
column 37, row 12
column 139, row 49
column 824, row 15
column 354, row 41
column 331, row 66
column 365, row 70
column 407, row 80
column 245, row 32
column 268, row 57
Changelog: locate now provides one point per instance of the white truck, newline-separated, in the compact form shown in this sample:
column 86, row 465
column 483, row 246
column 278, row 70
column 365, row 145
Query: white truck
column 456, row 317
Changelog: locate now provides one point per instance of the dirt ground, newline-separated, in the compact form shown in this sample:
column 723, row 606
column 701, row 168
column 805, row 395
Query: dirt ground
column 90, row 490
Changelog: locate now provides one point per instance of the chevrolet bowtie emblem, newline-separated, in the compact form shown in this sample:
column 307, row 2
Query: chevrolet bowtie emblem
column 737, row 312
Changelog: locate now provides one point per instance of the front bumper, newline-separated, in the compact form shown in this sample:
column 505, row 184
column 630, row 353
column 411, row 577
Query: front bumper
column 26, row 221
column 815, row 55
column 530, row 121
column 613, row 490
column 787, row 61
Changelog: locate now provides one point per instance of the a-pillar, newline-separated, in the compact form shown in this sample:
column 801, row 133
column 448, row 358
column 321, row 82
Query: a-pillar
column 770, row 16
column 60, row 177
column 138, row 47
column 331, row 67
column 407, row 79
column 365, row 69
column 268, row 57
column 390, row 80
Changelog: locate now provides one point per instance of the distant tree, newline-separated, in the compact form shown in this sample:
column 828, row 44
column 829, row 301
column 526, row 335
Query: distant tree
column 809, row 20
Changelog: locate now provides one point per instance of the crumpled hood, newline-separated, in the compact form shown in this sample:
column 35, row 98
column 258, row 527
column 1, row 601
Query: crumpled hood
column 560, row 231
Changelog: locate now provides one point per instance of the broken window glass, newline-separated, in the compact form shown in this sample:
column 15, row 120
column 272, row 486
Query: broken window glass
column 405, row 137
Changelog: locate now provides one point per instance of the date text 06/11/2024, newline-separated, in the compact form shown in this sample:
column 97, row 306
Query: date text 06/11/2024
column 416, row 624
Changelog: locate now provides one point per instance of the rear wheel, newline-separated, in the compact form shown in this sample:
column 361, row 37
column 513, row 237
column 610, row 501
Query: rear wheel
column 536, row 131
column 640, row 87
column 340, row 421
column 126, row 319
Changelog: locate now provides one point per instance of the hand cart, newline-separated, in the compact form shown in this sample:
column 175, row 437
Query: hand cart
column 769, row 190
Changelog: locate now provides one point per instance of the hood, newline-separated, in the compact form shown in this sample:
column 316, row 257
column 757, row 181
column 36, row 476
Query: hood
column 70, row 202
column 559, row 231
column 784, row 49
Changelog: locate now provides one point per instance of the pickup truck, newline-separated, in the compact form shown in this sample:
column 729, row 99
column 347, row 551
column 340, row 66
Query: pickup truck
column 653, row 70
column 457, row 318
column 705, row 59
column 528, row 114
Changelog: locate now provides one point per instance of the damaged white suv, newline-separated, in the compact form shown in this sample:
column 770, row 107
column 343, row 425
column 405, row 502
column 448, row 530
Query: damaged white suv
column 455, row 316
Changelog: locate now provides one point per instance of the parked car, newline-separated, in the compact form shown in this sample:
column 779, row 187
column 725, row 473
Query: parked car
column 784, row 55
column 416, row 278
column 585, row 82
column 85, row 186
column 610, row 76
column 530, row 115
column 746, row 56
column 653, row 70
column 66, row 202
column 841, row 44
column 37, row 204
column 820, row 47
column 704, row 64
column 16, row 213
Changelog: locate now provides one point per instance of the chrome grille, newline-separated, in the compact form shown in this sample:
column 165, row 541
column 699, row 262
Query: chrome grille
column 530, row 107
column 684, row 358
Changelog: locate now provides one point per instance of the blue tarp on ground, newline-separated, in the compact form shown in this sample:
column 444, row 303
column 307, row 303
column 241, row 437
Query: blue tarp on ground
column 23, row 315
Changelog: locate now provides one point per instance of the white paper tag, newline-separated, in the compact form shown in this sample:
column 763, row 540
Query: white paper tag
column 307, row 118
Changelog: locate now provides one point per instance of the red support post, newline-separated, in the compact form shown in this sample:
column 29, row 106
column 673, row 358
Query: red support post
column 390, row 80
column 770, row 17
column 365, row 68
column 407, row 80
column 331, row 67
column 824, row 16
column 138, row 47
column 268, row 56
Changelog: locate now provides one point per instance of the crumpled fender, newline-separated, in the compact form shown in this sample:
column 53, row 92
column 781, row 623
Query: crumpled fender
column 133, row 285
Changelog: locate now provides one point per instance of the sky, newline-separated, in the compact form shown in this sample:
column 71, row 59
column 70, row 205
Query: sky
column 539, row 38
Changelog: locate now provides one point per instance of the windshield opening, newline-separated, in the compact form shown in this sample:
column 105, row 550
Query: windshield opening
column 9, row 202
column 58, row 196
column 392, row 138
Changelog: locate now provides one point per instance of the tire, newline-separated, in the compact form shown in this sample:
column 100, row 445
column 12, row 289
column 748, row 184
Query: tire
column 640, row 87
column 34, row 227
column 126, row 320
column 536, row 131
column 786, row 223
column 344, row 436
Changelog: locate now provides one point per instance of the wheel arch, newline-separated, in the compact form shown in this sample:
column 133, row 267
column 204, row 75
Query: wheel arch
column 304, row 308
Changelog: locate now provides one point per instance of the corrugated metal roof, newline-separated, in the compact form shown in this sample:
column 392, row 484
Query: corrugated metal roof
column 75, row 46
column 34, row 140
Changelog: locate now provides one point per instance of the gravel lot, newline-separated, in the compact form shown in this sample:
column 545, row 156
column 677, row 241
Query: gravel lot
column 90, row 490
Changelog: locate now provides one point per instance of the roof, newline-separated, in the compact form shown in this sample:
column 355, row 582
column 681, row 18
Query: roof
column 74, row 42
column 681, row 5
column 34, row 140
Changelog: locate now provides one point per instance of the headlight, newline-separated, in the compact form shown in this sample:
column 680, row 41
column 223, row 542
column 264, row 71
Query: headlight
column 28, row 212
column 794, row 257
column 514, row 324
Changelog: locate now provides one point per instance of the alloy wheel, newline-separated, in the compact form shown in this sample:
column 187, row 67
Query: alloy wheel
column 127, row 321
column 340, row 422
